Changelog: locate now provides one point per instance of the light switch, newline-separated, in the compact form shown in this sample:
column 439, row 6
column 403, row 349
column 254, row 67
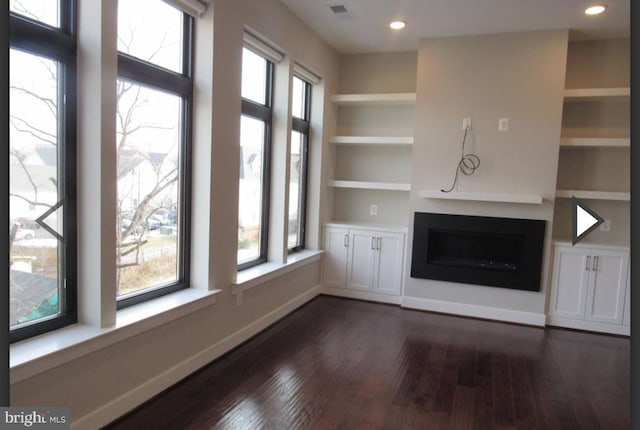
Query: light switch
column 503, row 124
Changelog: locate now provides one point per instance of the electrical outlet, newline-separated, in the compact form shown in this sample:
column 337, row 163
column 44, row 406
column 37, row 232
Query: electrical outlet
column 503, row 124
column 373, row 210
column 466, row 123
column 606, row 225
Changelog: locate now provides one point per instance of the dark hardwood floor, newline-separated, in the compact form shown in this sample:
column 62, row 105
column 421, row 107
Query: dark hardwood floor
column 344, row 364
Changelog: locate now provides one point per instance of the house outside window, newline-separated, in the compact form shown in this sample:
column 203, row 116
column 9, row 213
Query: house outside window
column 255, row 135
column 298, row 159
column 153, row 126
column 42, row 183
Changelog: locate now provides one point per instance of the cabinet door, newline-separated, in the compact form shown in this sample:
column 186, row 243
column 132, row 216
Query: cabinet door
column 607, row 286
column 389, row 259
column 361, row 260
column 336, row 244
column 570, row 282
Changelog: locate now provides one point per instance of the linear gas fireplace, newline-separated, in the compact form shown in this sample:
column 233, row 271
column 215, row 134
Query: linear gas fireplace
column 498, row 252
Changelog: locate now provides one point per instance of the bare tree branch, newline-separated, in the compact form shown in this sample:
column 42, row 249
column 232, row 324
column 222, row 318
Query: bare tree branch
column 50, row 104
column 30, row 129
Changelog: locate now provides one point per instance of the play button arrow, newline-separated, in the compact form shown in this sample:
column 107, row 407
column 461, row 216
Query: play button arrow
column 584, row 220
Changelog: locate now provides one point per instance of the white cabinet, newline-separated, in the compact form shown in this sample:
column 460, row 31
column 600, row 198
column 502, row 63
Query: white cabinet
column 336, row 244
column 364, row 263
column 589, row 289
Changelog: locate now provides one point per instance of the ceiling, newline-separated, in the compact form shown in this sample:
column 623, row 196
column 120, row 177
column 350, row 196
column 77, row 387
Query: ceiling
column 364, row 27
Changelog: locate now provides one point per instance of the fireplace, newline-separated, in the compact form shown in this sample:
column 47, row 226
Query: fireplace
column 491, row 251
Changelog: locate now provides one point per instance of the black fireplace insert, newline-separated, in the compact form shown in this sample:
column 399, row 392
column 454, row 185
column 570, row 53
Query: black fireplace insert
column 491, row 251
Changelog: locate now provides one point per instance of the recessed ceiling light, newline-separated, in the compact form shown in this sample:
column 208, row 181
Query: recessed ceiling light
column 398, row 25
column 595, row 10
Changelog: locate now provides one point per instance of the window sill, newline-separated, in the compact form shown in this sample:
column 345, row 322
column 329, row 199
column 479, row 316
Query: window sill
column 262, row 273
column 39, row 354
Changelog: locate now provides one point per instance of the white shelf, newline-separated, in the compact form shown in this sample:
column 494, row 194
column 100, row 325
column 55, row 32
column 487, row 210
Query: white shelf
column 372, row 140
column 374, row 99
column 593, row 195
column 368, row 185
column 587, row 142
column 584, row 94
column 533, row 199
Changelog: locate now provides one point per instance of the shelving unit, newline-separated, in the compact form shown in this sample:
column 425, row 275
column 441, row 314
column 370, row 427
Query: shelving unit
column 595, row 143
column 372, row 157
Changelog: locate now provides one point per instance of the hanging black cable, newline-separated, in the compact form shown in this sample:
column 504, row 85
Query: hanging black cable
column 467, row 164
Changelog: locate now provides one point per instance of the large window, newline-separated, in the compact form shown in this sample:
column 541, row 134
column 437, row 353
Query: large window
column 42, row 185
column 255, row 132
column 298, row 159
column 153, row 121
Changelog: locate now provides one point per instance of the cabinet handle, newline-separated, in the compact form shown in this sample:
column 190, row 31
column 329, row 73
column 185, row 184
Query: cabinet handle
column 588, row 262
column 595, row 264
column 346, row 240
column 373, row 242
column 379, row 243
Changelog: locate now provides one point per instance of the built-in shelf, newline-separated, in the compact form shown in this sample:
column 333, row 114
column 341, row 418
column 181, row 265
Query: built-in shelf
column 582, row 142
column 593, row 195
column 372, row 140
column 584, row 94
column 533, row 199
column 374, row 99
column 369, row 185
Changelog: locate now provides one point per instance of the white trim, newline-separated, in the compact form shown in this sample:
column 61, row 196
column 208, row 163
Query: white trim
column 126, row 402
column 533, row 199
column 392, row 228
column 556, row 321
column 370, row 185
column 374, row 99
column 258, row 275
column 361, row 295
column 595, row 142
column 194, row 8
column 485, row 312
column 580, row 94
column 41, row 353
column 594, row 195
column 372, row 140
column 306, row 74
column 263, row 47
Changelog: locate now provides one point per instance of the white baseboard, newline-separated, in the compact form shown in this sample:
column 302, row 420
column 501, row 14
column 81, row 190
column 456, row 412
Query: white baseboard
column 623, row 330
column 485, row 312
column 362, row 295
column 127, row 402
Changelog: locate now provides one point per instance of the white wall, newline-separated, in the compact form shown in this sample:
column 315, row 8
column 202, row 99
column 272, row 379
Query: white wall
column 106, row 383
column 519, row 76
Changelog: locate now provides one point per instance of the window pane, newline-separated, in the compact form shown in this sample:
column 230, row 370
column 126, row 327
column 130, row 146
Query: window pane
column 149, row 150
column 34, row 252
column 45, row 11
column 254, row 77
column 151, row 30
column 295, row 189
column 252, row 133
column 298, row 102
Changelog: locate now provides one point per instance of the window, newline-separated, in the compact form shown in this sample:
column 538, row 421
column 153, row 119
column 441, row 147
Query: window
column 255, row 133
column 299, row 161
column 42, row 185
column 153, row 121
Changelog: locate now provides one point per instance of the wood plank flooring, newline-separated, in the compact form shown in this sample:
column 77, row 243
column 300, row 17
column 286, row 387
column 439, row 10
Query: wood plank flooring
column 344, row 364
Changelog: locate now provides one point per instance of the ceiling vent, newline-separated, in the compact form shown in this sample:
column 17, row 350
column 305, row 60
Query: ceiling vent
column 340, row 10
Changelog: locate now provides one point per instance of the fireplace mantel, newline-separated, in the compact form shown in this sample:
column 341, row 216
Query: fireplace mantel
column 532, row 199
